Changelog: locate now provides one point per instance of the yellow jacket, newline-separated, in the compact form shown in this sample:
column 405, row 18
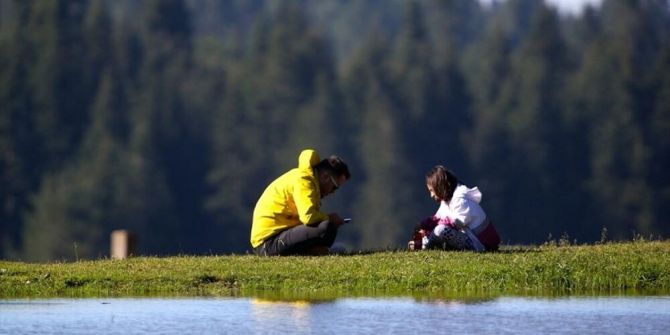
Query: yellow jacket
column 292, row 199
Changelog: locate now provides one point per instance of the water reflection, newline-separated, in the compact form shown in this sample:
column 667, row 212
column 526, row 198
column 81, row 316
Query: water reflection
column 294, row 315
column 453, row 303
column 274, row 314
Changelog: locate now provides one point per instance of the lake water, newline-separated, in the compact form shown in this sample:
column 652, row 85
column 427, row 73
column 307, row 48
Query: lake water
column 501, row 315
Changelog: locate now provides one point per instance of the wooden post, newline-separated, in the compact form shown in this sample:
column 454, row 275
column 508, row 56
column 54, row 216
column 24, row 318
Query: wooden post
column 123, row 244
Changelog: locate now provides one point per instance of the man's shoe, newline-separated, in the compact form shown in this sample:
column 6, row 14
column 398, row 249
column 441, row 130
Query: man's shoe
column 319, row 250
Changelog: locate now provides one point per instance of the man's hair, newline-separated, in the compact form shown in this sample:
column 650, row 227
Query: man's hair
column 334, row 165
column 442, row 181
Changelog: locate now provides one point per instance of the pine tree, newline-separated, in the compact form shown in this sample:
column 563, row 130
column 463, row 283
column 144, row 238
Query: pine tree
column 240, row 153
column 17, row 135
column 412, row 67
column 454, row 25
column 618, row 96
column 535, row 128
column 168, row 139
column 433, row 106
column 488, row 146
column 61, row 94
column 301, row 77
column 97, row 36
column 518, row 123
column 383, row 200
column 660, row 143
column 279, row 102
column 77, row 208
column 233, row 176
column 48, row 96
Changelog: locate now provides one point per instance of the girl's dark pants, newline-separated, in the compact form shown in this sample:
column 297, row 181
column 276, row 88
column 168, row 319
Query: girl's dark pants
column 298, row 240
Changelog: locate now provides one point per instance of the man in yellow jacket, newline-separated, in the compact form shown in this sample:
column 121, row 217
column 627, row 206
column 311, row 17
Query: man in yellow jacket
column 288, row 219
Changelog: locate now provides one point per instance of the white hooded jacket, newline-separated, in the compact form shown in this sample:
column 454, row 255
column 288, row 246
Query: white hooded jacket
column 463, row 206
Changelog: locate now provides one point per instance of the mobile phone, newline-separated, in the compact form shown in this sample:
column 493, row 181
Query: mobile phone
column 347, row 220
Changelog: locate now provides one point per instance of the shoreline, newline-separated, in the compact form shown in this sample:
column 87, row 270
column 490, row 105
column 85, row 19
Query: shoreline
column 600, row 269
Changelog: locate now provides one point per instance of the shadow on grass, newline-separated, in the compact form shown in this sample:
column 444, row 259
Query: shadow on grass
column 503, row 250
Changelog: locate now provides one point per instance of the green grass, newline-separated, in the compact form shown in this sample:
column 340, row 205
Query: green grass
column 598, row 269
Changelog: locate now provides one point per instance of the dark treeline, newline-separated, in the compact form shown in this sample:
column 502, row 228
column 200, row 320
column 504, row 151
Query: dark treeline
column 168, row 118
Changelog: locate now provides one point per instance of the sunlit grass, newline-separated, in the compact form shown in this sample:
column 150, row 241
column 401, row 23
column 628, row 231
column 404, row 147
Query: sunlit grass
column 599, row 269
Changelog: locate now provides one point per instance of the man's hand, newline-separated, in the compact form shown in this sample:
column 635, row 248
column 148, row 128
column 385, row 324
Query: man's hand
column 336, row 219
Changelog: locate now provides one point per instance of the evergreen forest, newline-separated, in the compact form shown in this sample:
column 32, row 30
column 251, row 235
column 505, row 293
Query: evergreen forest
column 168, row 118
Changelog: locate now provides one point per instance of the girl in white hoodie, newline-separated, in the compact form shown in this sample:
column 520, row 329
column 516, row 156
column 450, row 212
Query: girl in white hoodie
column 460, row 222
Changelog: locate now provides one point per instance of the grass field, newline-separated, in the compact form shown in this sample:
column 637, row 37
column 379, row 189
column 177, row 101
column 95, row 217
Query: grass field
column 592, row 269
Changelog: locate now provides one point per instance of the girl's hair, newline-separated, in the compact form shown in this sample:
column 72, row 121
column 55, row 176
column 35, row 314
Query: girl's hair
column 442, row 181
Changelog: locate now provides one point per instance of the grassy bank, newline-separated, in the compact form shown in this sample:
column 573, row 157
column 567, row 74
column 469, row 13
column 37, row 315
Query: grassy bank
column 596, row 268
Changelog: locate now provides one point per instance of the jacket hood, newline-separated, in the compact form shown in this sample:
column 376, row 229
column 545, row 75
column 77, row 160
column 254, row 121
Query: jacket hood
column 307, row 159
column 463, row 191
